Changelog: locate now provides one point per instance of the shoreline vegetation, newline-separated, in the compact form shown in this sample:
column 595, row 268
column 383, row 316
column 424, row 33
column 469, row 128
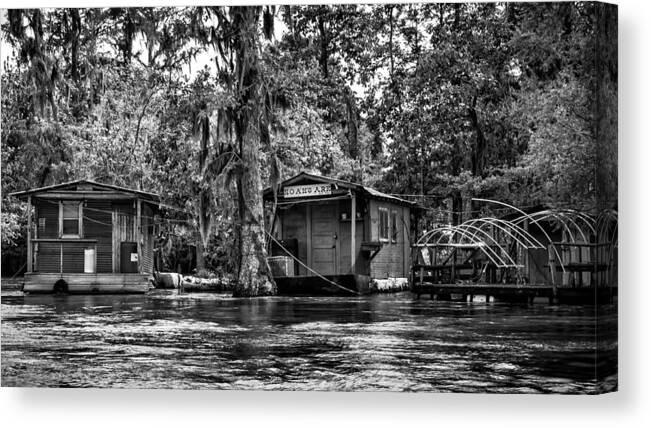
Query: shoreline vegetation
column 441, row 104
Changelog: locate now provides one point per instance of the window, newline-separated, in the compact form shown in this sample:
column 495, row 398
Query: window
column 41, row 226
column 394, row 226
column 383, row 224
column 70, row 220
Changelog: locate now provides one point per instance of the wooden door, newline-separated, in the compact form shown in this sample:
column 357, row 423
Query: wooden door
column 294, row 230
column 324, row 238
column 128, row 257
column 124, row 230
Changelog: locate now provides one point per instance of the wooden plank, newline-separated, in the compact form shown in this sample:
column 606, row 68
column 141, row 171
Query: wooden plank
column 583, row 244
column 324, row 242
column 108, row 195
column 292, row 224
column 47, row 257
column 404, row 235
column 98, row 225
column 114, row 239
column 73, row 257
column 80, row 220
column 308, row 218
column 72, row 240
column 527, row 264
column 88, row 282
column 139, row 232
column 481, row 286
column 60, row 219
column 48, row 215
column 29, row 234
column 452, row 245
column 353, row 225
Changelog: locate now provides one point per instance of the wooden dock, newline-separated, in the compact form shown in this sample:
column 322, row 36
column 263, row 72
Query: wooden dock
column 525, row 293
column 104, row 283
column 11, row 284
column 328, row 285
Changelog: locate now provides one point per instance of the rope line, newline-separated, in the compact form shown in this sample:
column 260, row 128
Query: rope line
column 309, row 268
column 86, row 208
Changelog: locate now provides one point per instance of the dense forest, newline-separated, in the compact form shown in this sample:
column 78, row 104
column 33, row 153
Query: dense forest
column 438, row 103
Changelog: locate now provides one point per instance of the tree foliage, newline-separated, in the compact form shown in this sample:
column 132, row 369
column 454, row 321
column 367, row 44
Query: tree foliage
column 509, row 101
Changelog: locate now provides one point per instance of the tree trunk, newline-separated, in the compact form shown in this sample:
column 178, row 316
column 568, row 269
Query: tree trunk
column 391, row 60
column 204, row 198
column 74, row 51
column 204, row 229
column 201, row 259
column 324, row 47
column 479, row 149
column 351, row 125
column 457, row 208
column 129, row 30
column 254, row 277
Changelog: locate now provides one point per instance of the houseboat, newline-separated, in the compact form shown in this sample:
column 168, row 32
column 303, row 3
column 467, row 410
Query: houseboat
column 336, row 237
column 87, row 237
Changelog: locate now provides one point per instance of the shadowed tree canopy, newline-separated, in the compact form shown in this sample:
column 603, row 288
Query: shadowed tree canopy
column 208, row 105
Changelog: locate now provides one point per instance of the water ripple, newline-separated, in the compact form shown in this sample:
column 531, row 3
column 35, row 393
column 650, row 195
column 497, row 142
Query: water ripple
column 378, row 343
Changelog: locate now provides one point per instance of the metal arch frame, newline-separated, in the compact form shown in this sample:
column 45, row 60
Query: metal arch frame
column 504, row 265
column 463, row 234
column 487, row 232
column 494, row 222
column 589, row 221
column 563, row 219
column 558, row 256
column 494, row 257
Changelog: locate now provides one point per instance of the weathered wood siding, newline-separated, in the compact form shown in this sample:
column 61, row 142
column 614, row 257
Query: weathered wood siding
column 88, row 282
column 407, row 241
column 304, row 222
column 123, row 229
column 361, row 264
column 324, row 238
column 73, row 257
column 393, row 259
column 538, row 259
column 97, row 224
column 147, row 242
column 49, row 212
column 47, row 255
column 293, row 225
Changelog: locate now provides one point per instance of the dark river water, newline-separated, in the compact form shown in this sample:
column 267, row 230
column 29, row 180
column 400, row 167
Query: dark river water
column 383, row 342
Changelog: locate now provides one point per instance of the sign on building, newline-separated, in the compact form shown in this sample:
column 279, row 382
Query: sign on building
column 307, row 190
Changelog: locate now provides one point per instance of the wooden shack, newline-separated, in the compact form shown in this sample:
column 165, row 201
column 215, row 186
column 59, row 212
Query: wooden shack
column 84, row 237
column 330, row 236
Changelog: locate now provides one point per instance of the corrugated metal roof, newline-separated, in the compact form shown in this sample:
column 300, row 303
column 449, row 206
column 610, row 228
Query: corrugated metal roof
column 379, row 194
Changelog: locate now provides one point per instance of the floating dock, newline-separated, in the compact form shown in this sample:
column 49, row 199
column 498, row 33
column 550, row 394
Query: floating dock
column 327, row 285
column 525, row 293
column 85, row 283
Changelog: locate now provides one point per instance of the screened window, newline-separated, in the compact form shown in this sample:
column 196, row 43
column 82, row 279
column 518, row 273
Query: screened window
column 41, row 226
column 70, row 219
column 394, row 226
column 384, row 224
